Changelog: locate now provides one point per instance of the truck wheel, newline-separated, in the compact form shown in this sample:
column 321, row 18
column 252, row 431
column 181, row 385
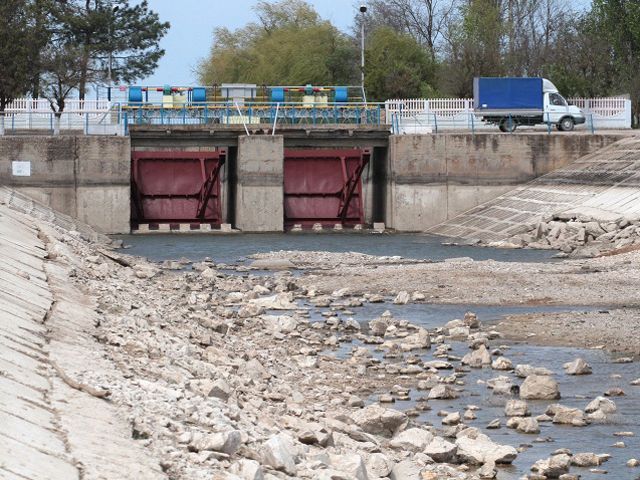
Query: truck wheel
column 508, row 125
column 566, row 124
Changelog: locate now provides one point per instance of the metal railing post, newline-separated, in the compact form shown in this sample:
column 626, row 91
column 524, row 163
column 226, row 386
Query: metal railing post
column 593, row 127
column 548, row 123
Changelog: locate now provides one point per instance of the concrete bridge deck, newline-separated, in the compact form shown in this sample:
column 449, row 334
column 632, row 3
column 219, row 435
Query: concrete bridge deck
column 603, row 183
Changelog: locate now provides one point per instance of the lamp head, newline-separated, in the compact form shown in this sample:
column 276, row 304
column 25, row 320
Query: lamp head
column 363, row 8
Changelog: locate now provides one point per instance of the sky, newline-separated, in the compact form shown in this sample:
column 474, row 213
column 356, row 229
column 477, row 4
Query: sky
column 193, row 22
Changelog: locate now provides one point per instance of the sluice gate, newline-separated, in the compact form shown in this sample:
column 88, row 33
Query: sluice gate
column 324, row 186
column 176, row 187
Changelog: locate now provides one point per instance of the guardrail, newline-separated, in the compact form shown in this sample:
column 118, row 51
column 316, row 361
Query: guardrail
column 457, row 113
column 274, row 114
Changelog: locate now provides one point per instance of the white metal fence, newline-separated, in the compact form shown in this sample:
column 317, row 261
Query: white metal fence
column 421, row 115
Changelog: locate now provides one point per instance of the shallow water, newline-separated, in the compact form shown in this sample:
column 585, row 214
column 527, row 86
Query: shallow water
column 230, row 249
column 577, row 391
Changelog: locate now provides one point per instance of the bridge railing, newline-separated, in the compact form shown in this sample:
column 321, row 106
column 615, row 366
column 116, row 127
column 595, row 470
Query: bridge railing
column 418, row 114
column 273, row 114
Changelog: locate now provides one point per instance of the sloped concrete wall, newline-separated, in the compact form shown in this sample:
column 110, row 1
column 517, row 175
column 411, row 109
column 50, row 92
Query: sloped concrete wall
column 436, row 177
column 86, row 177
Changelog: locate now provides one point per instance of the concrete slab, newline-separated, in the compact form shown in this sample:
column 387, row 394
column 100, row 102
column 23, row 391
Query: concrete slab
column 28, row 462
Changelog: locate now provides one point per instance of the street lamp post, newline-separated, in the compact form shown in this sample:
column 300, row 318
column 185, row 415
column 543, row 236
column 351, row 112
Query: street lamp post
column 363, row 11
column 114, row 10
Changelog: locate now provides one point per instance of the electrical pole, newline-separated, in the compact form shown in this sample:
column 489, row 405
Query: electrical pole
column 363, row 11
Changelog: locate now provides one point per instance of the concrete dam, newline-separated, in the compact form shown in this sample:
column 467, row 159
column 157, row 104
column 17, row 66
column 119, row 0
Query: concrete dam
column 176, row 178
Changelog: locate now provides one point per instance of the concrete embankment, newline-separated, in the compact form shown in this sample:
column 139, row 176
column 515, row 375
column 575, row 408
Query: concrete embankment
column 50, row 427
column 602, row 186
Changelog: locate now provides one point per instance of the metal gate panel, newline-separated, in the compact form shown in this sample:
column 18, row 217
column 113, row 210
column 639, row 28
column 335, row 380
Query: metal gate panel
column 324, row 186
column 176, row 186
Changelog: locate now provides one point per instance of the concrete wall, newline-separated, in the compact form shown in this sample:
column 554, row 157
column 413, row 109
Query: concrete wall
column 260, row 184
column 435, row 177
column 85, row 177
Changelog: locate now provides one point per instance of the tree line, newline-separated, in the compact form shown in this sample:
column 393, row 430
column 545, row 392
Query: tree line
column 56, row 48
column 418, row 48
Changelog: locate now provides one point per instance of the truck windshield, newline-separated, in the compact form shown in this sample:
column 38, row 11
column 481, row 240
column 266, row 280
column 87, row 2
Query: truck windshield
column 557, row 99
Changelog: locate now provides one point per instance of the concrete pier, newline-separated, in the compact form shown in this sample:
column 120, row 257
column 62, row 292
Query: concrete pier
column 259, row 195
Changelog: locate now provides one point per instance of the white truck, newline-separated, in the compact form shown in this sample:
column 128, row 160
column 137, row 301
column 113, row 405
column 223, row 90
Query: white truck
column 509, row 102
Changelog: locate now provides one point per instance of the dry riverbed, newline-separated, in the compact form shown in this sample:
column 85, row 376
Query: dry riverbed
column 271, row 376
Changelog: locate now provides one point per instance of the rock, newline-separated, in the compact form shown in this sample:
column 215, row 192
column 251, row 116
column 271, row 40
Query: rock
column 516, row 408
column 553, row 466
column 452, row 419
column 502, row 363
column 279, row 453
column 350, row 464
column 524, row 371
column 250, row 310
column 614, row 392
column 406, row 470
column 227, row 442
column 413, row 440
column 586, row 460
column 566, row 415
column 442, row 392
column 471, row 320
column 476, row 448
column 273, row 264
column 402, row 298
column 477, row 358
column 378, row 326
column 441, row 451
column 526, row 425
column 500, row 385
column 577, row 367
column 488, row 471
column 600, row 407
column 280, row 301
column 539, row 387
column 220, row 389
column 632, row 463
column 279, row 323
column 382, row 421
column 379, row 465
column 247, row 469
column 494, row 424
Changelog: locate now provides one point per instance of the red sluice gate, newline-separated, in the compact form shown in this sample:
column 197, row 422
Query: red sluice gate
column 324, row 186
column 176, row 187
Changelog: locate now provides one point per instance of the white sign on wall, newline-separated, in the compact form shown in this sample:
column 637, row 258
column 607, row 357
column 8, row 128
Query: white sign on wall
column 21, row 169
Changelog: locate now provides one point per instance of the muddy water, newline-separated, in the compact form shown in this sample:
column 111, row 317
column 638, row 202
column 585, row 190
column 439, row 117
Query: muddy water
column 231, row 248
column 577, row 391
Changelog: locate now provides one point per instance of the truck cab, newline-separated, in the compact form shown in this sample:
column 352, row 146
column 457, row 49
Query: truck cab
column 557, row 110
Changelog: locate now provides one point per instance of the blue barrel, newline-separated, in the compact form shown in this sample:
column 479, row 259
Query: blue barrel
column 199, row 95
column 135, row 94
column 342, row 95
column 277, row 95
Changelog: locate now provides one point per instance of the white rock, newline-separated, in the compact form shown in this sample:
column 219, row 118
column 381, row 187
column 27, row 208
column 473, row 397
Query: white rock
column 441, row 451
column 413, row 440
column 280, row 301
column 477, row 358
column 524, row 371
column 402, row 298
column 539, row 387
column 279, row 453
column 502, row 363
column 379, row 465
column 566, row 415
column 516, row 408
column 247, row 469
column 476, row 448
column 350, row 464
column 377, row 420
column 442, row 392
column 406, row 470
column 577, row 367
column 553, row 466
